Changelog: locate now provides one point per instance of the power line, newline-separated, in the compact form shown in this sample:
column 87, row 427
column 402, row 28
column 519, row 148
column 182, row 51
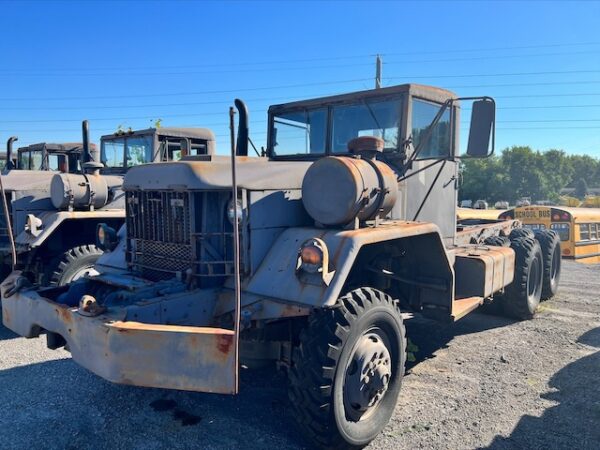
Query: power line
column 479, row 58
column 319, row 59
column 121, row 106
column 138, row 72
column 174, row 94
column 216, row 113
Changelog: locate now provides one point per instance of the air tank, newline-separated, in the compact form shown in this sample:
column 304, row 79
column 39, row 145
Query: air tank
column 338, row 189
column 82, row 191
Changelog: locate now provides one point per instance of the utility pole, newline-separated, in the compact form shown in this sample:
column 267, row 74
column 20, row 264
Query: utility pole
column 378, row 72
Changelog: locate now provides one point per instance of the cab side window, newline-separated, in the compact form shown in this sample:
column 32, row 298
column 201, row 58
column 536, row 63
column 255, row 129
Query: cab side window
column 437, row 144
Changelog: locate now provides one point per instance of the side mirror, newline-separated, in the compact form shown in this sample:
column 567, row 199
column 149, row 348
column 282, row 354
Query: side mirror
column 482, row 129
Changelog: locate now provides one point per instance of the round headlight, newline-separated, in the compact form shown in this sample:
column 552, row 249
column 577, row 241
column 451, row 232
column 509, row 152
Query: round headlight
column 106, row 237
column 101, row 236
column 233, row 209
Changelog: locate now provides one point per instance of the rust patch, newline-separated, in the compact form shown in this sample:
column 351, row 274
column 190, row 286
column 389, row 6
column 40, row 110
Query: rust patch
column 224, row 343
column 64, row 314
column 6, row 316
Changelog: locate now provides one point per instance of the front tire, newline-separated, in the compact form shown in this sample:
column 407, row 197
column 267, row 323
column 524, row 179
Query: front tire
column 73, row 264
column 347, row 371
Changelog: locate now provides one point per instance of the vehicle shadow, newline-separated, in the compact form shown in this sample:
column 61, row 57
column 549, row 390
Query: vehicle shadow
column 5, row 333
column 573, row 421
column 59, row 405
column 428, row 336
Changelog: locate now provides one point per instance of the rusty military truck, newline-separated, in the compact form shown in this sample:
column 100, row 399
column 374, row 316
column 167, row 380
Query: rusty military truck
column 311, row 257
column 56, row 194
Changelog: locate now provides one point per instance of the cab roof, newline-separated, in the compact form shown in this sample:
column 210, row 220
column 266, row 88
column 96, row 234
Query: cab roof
column 194, row 133
column 66, row 147
column 426, row 92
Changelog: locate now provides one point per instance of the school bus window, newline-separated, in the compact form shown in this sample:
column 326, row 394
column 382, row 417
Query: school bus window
column 534, row 226
column 593, row 235
column 584, row 232
column 563, row 230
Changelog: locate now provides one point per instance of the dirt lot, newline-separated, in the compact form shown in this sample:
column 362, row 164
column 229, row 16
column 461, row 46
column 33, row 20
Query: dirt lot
column 485, row 382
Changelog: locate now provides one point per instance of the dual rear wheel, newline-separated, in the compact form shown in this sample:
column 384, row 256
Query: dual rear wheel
column 537, row 271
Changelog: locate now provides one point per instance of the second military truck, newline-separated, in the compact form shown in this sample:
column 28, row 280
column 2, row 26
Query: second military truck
column 56, row 195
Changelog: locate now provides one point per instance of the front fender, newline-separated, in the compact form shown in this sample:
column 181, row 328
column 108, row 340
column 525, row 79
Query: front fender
column 276, row 276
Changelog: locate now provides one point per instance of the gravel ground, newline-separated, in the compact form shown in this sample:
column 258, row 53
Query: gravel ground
column 485, row 382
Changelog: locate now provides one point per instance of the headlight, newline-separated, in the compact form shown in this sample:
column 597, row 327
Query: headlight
column 313, row 263
column 106, row 237
column 311, row 257
column 231, row 211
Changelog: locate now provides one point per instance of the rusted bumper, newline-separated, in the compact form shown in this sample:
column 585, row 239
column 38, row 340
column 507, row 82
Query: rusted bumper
column 163, row 356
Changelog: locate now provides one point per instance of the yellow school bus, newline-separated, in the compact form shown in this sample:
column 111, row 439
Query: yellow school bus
column 578, row 228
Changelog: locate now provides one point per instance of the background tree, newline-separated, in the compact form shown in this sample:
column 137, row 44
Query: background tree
column 581, row 188
column 523, row 172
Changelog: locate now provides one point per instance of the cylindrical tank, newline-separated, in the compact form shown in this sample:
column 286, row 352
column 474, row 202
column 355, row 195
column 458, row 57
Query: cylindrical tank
column 337, row 189
column 82, row 191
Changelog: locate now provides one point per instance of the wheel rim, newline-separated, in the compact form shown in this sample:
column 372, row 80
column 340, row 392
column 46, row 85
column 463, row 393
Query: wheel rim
column 367, row 375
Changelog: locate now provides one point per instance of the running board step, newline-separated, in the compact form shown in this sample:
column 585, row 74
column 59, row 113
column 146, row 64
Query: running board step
column 464, row 306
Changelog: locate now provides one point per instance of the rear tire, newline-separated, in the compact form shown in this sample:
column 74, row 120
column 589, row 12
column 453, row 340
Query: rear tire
column 347, row 370
column 522, row 296
column 517, row 233
column 497, row 241
column 73, row 264
column 550, row 244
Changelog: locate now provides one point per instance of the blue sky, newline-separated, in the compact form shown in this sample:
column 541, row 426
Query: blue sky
column 129, row 63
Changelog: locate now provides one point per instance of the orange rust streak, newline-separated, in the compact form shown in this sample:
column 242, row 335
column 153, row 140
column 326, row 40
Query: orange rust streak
column 64, row 314
column 125, row 326
column 6, row 316
column 224, row 343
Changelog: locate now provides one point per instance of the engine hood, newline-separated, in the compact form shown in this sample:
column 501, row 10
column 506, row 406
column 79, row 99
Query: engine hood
column 27, row 180
column 215, row 173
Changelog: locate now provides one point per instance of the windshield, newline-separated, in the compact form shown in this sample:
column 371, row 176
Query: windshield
column 126, row 151
column 30, row 159
column 300, row 132
column 304, row 132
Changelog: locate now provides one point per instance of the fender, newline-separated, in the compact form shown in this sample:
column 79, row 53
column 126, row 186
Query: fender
column 51, row 220
column 276, row 276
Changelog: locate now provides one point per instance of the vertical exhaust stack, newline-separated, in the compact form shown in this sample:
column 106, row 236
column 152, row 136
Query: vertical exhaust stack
column 243, row 129
column 90, row 160
column 9, row 147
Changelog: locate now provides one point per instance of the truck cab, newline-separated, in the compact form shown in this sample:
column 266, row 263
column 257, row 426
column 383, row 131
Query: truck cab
column 124, row 149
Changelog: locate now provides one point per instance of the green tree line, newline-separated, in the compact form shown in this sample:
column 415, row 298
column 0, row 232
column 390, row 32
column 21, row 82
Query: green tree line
column 523, row 172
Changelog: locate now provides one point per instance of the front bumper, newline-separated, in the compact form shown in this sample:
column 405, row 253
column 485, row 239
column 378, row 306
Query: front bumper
column 164, row 356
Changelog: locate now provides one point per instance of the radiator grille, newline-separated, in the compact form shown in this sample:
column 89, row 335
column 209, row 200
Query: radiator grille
column 159, row 233
column 179, row 234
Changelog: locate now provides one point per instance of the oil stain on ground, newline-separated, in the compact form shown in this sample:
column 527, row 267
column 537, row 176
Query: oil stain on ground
column 166, row 404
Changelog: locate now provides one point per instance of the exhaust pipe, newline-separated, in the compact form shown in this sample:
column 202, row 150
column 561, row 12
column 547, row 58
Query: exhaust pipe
column 243, row 129
column 85, row 136
column 9, row 147
column 90, row 158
